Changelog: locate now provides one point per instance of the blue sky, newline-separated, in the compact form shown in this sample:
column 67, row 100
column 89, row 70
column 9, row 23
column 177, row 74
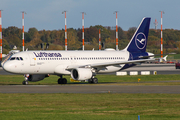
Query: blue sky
column 47, row 14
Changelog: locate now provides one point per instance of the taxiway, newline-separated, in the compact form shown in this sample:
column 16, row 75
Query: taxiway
column 100, row 88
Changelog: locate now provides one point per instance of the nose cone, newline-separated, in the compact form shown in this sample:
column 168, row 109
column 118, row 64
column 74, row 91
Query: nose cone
column 6, row 67
column 9, row 67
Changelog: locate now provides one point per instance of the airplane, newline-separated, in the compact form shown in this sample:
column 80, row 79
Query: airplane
column 81, row 65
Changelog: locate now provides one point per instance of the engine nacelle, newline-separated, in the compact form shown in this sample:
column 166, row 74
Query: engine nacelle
column 81, row 73
column 34, row 78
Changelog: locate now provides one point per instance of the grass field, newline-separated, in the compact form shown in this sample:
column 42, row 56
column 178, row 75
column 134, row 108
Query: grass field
column 90, row 106
column 105, row 106
column 175, row 56
column 126, row 80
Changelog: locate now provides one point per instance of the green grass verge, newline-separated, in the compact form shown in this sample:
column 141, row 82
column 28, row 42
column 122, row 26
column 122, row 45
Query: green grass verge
column 124, row 80
column 174, row 57
column 90, row 106
column 105, row 106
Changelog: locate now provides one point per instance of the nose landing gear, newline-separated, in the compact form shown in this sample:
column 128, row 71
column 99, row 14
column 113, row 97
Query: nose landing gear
column 25, row 82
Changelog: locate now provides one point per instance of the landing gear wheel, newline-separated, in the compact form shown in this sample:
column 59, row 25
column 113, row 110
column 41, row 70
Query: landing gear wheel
column 95, row 80
column 62, row 81
column 90, row 80
column 59, row 81
column 25, row 82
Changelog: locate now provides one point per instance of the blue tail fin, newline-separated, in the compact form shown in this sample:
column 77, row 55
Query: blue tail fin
column 138, row 42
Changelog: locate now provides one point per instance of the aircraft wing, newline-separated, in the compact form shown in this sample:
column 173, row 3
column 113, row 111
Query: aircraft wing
column 120, row 62
column 110, row 63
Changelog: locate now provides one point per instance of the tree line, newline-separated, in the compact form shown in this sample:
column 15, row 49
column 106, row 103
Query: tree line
column 12, row 36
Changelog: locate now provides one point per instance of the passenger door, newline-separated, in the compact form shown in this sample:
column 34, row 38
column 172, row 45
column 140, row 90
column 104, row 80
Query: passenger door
column 33, row 65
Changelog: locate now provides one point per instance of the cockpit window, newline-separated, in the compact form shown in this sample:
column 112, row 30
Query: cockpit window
column 13, row 58
column 16, row 58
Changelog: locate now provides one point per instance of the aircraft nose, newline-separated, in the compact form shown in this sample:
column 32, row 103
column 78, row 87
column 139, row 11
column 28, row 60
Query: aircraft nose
column 7, row 67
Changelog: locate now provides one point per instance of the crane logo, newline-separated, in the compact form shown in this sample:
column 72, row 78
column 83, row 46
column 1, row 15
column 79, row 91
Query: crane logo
column 140, row 40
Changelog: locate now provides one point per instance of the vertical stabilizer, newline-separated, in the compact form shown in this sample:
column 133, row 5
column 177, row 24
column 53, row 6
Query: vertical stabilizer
column 138, row 42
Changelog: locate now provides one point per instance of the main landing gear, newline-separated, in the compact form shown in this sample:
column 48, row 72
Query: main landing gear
column 93, row 80
column 62, row 80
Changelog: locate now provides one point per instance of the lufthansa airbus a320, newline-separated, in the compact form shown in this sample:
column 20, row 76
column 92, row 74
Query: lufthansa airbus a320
column 81, row 65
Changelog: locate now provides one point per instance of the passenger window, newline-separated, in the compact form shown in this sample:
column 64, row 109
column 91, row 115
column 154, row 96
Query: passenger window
column 21, row 58
column 17, row 58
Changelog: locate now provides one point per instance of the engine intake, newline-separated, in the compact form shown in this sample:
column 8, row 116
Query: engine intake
column 81, row 73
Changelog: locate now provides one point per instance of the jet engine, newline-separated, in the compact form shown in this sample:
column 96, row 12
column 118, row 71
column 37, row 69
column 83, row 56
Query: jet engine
column 81, row 73
column 34, row 78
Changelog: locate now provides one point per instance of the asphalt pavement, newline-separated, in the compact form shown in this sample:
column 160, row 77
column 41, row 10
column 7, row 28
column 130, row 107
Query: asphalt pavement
column 88, row 89
column 100, row 88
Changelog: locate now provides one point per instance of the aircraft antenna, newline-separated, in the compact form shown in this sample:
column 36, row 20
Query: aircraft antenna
column 162, row 12
column 64, row 12
column 116, row 30
column 83, row 30
column 0, row 38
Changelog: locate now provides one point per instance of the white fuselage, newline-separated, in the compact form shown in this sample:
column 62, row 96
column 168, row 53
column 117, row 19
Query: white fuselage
column 57, row 62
